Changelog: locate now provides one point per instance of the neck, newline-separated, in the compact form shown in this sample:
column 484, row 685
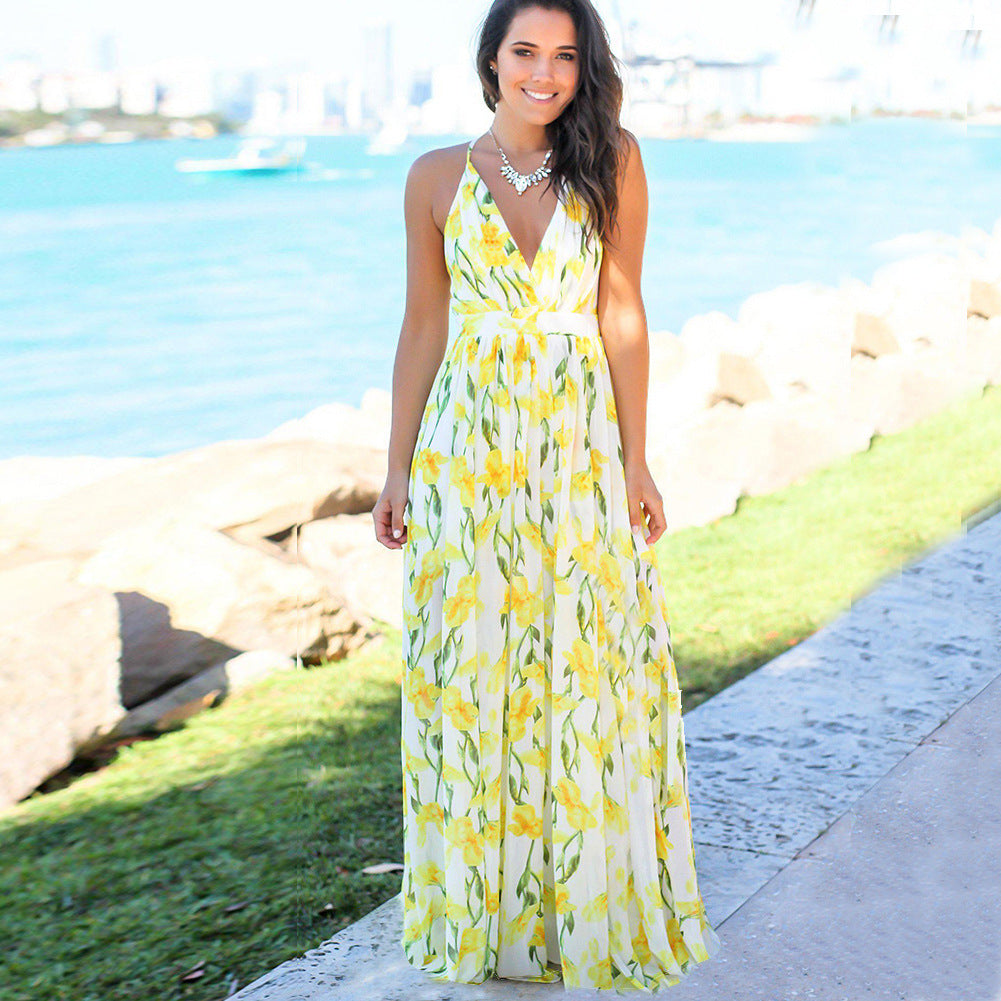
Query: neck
column 517, row 136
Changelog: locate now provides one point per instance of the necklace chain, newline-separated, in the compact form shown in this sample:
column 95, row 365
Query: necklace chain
column 521, row 182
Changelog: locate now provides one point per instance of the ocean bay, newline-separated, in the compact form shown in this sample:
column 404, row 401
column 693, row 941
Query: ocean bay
column 145, row 311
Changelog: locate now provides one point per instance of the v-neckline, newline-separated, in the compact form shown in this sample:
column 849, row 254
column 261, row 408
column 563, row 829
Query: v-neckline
column 500, row 215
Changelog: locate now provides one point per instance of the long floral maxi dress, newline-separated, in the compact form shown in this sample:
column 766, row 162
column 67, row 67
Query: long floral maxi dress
column 547, row 830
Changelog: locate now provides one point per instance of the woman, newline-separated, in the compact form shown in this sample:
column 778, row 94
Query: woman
column 547, row 832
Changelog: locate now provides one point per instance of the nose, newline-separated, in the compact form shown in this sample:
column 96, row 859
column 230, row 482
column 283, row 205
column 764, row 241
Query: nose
column 542, row 71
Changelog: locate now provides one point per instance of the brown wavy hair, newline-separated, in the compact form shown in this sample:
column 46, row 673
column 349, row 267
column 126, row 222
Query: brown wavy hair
column 588, row 142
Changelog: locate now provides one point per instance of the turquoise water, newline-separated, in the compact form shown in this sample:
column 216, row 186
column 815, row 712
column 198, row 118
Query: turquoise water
column 144, row 311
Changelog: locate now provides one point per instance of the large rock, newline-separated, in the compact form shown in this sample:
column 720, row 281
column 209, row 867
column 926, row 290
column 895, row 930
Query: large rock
column 41, row 477
column 249, row 488
column 803, row 339
column 895, row 391
column 190, row 596
column 871, row 334
column 369, row 574
column 985, row 297
column 697, row 484
column 201, row 691
column 983, row 350
column 684, row 368
column 928, row 298
column 719, row 363
column 27, row 481
column 59, row 650
column 795, row 437
column 339, row 423
column 728, row 451
column 985, row 283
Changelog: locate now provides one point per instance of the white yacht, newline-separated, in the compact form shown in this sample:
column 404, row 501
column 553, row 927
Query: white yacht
column 254, row 156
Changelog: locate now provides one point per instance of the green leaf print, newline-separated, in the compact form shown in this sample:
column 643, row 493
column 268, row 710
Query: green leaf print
column 601, row 500
column 512, row 786
column 467, row 536
column 565, row 755
column 476, row 885
column 502, row 284
column 471, row 749
column 477, row 281
column 522, row 883
column 448, row 645
column 572, row 866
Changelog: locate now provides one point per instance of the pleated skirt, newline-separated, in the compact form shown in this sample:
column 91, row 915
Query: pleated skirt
column 547, row 828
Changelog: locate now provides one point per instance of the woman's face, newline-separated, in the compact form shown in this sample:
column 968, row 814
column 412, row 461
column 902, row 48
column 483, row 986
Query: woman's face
column 537, row 64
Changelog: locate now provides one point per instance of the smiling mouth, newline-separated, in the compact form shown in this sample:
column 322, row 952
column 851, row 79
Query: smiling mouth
column 538, row 97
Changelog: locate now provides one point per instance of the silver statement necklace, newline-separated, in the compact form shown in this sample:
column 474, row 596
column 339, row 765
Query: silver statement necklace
column 521, row 182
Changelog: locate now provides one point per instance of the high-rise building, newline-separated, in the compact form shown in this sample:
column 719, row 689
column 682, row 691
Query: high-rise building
column 378, row 79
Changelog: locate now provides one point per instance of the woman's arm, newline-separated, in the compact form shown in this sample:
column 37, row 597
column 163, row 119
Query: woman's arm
column 422, row 342
column 622, row 320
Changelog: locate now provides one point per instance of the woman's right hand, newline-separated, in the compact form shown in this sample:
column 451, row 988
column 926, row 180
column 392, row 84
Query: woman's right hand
column 389, row 510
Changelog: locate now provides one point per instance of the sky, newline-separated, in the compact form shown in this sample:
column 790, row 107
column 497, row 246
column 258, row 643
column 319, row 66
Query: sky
column 326, row 34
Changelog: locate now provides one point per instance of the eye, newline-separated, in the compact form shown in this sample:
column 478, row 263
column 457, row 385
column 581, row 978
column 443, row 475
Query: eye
column 569, row 55
column 519, row 52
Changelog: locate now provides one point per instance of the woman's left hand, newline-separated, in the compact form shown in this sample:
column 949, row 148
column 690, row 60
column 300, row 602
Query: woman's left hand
column 644, row 498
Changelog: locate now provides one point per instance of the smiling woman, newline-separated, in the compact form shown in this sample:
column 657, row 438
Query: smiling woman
column 547, row 829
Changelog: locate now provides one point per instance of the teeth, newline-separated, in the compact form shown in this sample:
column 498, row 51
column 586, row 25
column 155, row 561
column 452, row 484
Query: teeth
column 536, row 94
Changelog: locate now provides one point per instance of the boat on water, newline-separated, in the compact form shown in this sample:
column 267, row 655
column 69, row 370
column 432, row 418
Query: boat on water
column 390, row 139
column 254, row 156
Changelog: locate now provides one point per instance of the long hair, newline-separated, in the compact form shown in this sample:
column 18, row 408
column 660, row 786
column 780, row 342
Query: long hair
column 587, row 140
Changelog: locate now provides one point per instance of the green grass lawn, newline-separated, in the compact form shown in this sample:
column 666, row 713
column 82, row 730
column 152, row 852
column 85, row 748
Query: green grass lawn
column 219, row 850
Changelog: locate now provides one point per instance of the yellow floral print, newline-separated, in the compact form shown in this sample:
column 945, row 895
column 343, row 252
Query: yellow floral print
column 542, row 740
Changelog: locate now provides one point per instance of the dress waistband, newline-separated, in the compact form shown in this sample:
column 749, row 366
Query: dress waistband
column 521, row 319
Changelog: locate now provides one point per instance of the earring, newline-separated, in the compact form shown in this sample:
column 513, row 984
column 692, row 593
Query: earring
column 493, row 69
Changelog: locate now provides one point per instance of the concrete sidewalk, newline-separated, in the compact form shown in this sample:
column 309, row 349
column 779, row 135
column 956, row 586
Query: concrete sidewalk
column 845, row 799
column 899, row 898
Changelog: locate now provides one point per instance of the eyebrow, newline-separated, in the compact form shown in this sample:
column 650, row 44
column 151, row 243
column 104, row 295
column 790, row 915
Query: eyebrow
column 534, row 46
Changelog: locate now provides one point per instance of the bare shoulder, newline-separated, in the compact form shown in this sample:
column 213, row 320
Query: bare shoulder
column 632, row 178
column 433, row 179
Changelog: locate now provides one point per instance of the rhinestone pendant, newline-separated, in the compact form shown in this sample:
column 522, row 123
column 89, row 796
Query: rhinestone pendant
column 522, row 182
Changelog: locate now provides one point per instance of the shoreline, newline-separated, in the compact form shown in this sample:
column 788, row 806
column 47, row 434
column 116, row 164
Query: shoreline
column 742, row 128
column 141, row 591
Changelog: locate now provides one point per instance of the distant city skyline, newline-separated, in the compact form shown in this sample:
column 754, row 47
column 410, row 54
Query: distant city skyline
column 328, row 36
column 320, row 66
